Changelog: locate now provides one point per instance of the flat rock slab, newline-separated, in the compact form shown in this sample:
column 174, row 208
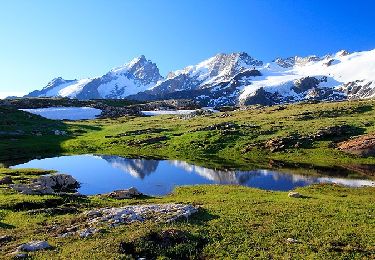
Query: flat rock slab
column 34, row 246
column 96, row 220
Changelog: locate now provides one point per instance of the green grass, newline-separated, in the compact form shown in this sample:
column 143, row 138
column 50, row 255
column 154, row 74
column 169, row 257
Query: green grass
column 330, row 222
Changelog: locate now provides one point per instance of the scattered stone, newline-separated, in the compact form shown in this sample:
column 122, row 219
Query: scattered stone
column 59, row 132
column 88, row 232
column 6, row 180
column 49, row 184
column 20, row 256
column 5, row 239
column 124, row 194
column 293, row 194
column 292, row 240
column 34, row 246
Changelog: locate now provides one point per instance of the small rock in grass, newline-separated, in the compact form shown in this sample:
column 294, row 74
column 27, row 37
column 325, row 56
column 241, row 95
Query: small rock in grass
column 5, row 239
column 6, row 180
column 124, row 194
column 293, row 194
column 291, row 240
column 88, row 232
column 20, row 256
column 34, row 246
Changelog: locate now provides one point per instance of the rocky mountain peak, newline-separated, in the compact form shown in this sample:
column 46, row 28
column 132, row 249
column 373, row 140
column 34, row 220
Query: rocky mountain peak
column 56, row 82
column 139, row 68
column 296, row 60
column 225, row 65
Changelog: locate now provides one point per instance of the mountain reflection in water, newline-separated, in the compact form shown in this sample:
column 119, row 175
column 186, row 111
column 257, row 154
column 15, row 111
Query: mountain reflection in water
column 104, row 173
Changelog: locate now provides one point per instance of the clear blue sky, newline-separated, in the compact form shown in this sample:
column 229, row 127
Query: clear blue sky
column 43, row 39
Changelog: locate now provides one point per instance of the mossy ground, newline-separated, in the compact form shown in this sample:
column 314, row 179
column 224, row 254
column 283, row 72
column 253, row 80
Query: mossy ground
column 330, row 222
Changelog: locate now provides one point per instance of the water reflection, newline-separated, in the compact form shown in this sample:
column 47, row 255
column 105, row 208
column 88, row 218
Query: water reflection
column 137, row 168
column 101, row 174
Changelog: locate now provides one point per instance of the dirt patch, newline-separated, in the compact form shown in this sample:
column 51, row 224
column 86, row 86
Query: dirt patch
column 363, row 145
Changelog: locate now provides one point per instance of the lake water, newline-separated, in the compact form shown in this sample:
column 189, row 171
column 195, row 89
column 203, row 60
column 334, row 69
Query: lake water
column 103, row 174
column 66, row 113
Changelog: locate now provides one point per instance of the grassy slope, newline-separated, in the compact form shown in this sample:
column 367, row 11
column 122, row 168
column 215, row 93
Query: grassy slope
column 235, row 222
column 209, row 147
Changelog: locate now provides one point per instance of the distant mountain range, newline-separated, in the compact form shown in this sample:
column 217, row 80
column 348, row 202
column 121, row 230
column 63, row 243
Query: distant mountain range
column 231, row 79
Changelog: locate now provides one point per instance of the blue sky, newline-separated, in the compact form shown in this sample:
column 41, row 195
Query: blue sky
column 41, row 40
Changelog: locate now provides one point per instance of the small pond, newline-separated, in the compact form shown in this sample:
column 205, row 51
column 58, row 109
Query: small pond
column 103, row 174
column 66, row 113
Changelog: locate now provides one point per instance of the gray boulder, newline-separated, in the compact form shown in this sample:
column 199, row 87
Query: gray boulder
column 34, row 246
column 124, row 194
column 293, row 194
column 48, row 184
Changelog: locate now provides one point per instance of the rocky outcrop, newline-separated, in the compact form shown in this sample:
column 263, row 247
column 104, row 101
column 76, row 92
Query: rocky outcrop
column 362, row 145
column 304, row 84
column 292, row 61
column 49, row 184
column 359, row 89
column 262, row 97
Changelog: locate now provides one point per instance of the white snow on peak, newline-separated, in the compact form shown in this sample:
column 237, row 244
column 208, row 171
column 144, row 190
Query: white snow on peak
column 339, row 68
column 74, row 89
column 128, row 66
column 217, row 68
column 68, row 89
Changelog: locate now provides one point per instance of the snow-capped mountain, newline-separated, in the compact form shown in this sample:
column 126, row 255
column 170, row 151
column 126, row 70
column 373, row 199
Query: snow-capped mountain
column 332, row 77
column 232, row 79
column 136, row 76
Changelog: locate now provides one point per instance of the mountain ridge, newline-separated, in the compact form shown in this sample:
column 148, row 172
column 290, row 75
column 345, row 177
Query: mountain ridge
column 231, row 79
